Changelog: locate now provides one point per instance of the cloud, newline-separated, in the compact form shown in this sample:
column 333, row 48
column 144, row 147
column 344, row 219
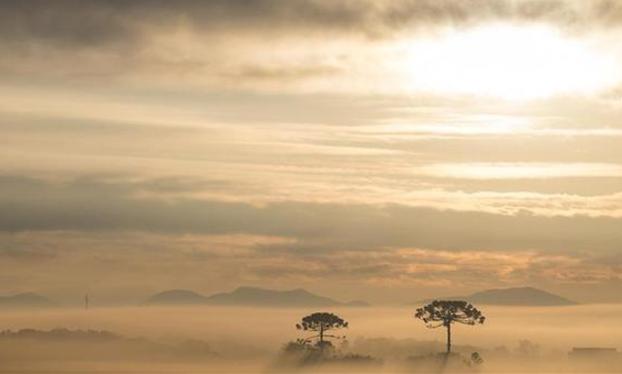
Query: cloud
column 255, row 155
column 88, row 24
column 159, row 139
column 93, row 205
column 502, row 170
column 242, row 44
column 94, row 22
column 103, row 21
column 128, row 266
column 266, row 72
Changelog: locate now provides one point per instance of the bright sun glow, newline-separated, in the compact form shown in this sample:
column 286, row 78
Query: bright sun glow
column 504, row 170
column 509, row 62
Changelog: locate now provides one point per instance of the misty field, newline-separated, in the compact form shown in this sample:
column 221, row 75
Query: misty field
column 242, row 339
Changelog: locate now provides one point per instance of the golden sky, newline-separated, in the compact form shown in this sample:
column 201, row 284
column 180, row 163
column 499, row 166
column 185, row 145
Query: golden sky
column 361, row 149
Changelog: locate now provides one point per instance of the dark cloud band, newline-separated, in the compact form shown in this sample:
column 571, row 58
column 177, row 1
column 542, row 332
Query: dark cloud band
column 100, row 22
column 94, row 205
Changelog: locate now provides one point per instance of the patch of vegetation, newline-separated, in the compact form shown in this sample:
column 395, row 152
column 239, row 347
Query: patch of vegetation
column 441, row 362
column 59, row 334
column 31, row 345
column 303, row 354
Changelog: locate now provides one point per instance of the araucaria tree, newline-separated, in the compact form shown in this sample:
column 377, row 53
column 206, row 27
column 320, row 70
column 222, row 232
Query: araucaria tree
column 321, row 323
column 444, row 313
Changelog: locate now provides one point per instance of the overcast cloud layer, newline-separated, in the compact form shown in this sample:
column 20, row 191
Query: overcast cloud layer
column 149, row 145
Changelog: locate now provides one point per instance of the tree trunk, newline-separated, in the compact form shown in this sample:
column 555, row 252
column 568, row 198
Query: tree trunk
column 448, row 338
column 322, row 336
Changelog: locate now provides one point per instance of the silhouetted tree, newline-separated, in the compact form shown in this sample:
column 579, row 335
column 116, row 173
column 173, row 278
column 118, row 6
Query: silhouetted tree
column 321, row 323
column 443, row 313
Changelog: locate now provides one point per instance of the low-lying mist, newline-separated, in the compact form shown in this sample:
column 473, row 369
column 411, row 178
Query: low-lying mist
column 244, row 339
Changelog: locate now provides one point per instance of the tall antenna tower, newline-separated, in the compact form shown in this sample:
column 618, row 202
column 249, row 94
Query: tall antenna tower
column 86, row 301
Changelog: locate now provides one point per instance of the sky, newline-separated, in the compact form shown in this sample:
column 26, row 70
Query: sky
column 380, row 150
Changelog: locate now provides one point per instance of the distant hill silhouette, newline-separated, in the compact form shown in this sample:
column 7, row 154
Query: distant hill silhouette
column 260, row 296
column 176, row 297
column 517, row 296
column 25, row 300
column 250, row 296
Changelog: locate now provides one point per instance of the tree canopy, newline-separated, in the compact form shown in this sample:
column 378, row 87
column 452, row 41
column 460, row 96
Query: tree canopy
column 321, row 323
column 444, row 312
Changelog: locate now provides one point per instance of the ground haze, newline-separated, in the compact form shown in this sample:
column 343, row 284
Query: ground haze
column 249, row 339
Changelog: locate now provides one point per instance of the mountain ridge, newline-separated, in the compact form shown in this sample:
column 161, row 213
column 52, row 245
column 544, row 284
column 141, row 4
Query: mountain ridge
column 513, row 296
column 249, row 296
column 175, row 297
column 26, row 299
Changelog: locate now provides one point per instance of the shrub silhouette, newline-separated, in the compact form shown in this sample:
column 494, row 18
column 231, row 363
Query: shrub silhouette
column 321, row 323
column 476, row 358
column 444, row 313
